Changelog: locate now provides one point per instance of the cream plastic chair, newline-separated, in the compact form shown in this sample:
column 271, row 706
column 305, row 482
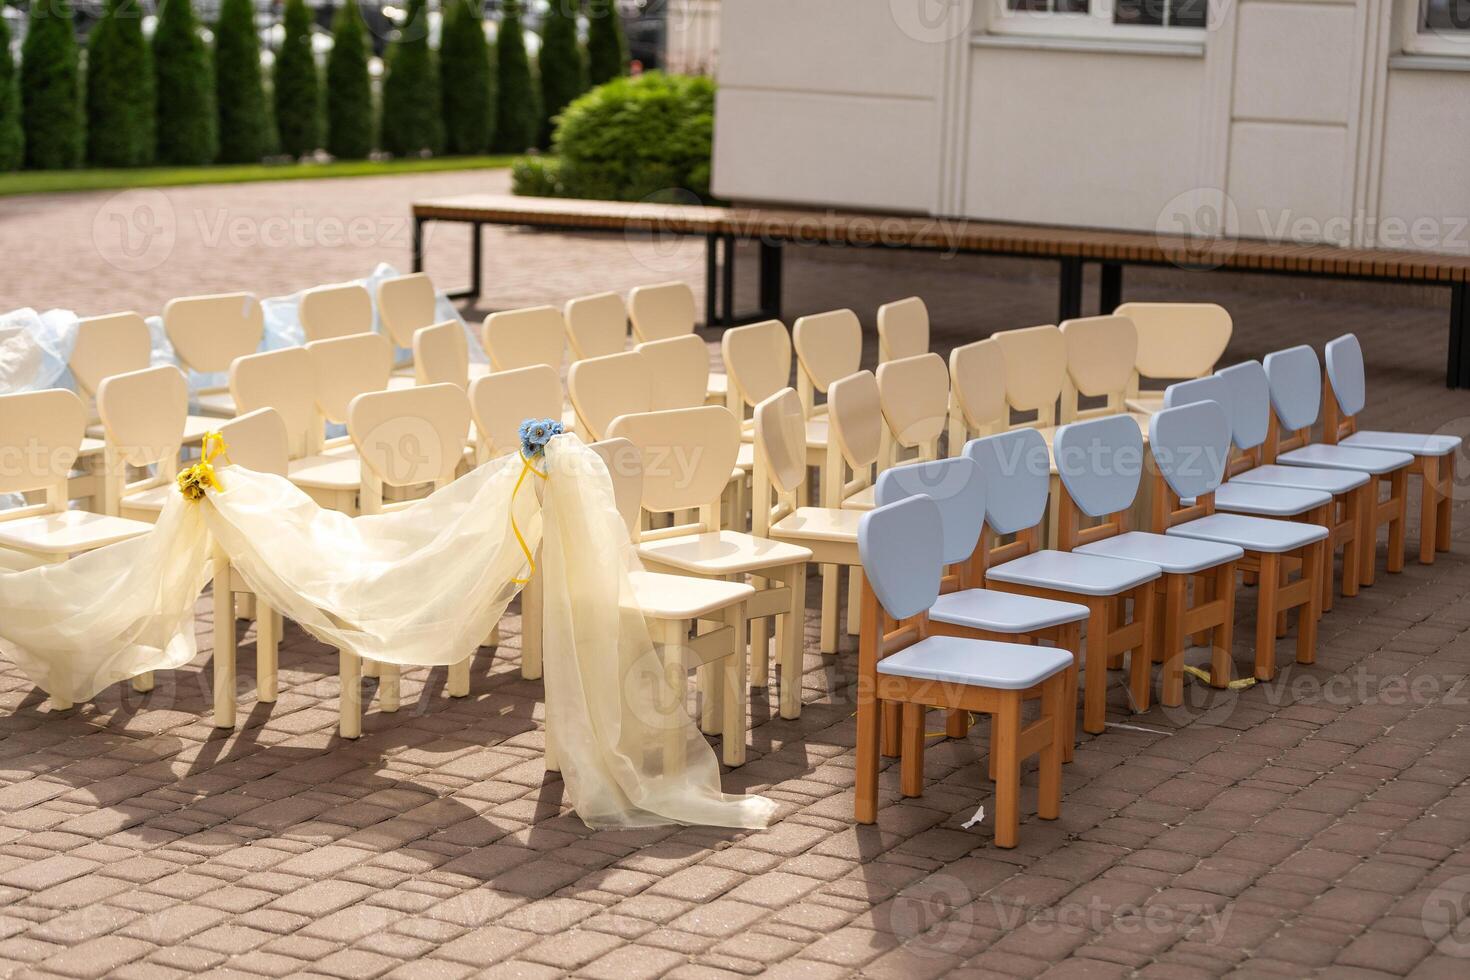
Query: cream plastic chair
column 977, row 393
column 208, row 333
column 687, row 457
column 116, row 344
column 602, row 388
column 675, row 604
column 828, row 346
column 780, row 468
column 1036, row 371
column 596, row 325
column 1176, row 342
column 406, row 305
column 520, row 338
column 667, row 310
column 338, row 310
column 903, row 329
column 441, row 355
column 1100, row 354
column 143, row 415
column 257, row 441
column 855, row 420
column 914, row 394
column 408, row 437
column 679, row 369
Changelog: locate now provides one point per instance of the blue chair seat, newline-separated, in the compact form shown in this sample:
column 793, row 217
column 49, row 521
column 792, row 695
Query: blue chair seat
column 1003, row 612
column 1374, row 461
column 1178, row 557
column 979, row 663
column 1251, row 533
column 1269, row 501
column 1305, row 477
column 1419, row 444
column 1067, row 571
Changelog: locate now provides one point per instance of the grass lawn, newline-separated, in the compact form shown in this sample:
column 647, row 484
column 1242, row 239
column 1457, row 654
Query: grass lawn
column 60, row 181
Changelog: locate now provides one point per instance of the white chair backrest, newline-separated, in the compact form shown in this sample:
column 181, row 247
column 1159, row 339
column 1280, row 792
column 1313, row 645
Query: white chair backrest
column 258, row 441
column 108, row 345
column 625, row 468
column 406, row 304
column 661, row 311
column 955, row 485
column 284, row 380
column 901, row 546
column 441, row 355
column 903, row 329
column 828, row 345
column 855, row 418
column 977, row 375
column 503, row 400
column 411, row 435
column 757, row 360
column 1100, row 462
column 780, row 439
column 596, row 325
column 679, row 369
column 688, row 454
column 1344, row 358
column 1100, row 355
column 40, row 434
column 1016, row 468
column 337, row 310
column 915, row 398
column 1178, row 340
column 208, row 332
column 347, row 367
column 1296, row 386
column 1248, row 396
column 521, row 338
column 144, row 413
column 602, row 388
column 1190, row 446
column 1036, row 369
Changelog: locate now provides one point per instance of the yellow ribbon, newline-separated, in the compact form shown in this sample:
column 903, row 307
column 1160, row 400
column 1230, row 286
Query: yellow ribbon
column 196, row 479
column 1239, row 684
column 526, row 467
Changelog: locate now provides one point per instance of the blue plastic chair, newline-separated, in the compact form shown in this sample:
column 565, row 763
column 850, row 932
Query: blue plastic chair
column 901, row 660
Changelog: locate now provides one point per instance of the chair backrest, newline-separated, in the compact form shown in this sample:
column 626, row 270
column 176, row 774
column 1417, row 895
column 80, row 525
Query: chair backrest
column 901, row 546
column 411, row 435
column 406, row 304
column 503, row 400
column 625, row 468
column 1344, row 358
column 855, row 418
column 828, row 346
column 1295, row 376
column 596, row 325
column 1190, row 445
column 1016, row 468
column 347, row 367
column 40, row 434
column 1248, row 398
column 258, row 441
column 1100, row 462
column 144, row 413
column 108, row 345
column 208, row 332
column 780, row 442
column 284, row 380
column 1036, row 370
column 441, row 355
column 903, row 329
column 688, row 454
column 661, row 311
column 1100, row 355
column 1210, row 388
column 1178, row 340
column 955, row 485
column 520, row 338
column 338, row 310
column 915, row 399
column 602, row 388
column 757, row 360
column 977, row 377
column 679, row 369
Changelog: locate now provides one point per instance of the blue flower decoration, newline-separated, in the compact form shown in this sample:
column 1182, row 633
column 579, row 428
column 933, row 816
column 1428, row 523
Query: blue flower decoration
column 536, row 433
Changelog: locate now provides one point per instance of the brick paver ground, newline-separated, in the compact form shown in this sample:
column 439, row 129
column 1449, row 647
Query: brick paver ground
column 1314, row 825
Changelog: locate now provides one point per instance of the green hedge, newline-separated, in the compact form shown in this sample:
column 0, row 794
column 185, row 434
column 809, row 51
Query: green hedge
column 120, row 93
column 411, row 121
column 607, row 47
column 186, row 134
column 349, row 89
column 239, row 92
column 563, row 69
column 467, row 81
column 296, row 86
column 50, row 88
column 12, row 137
column 516, row 116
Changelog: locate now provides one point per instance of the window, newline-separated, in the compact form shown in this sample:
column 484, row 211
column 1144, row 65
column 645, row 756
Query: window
column 1142, row 20
column 1435, row 27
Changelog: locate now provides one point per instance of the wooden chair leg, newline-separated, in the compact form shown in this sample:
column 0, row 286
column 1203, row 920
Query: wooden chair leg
column 1049, row 778
column 854, row 599
column 1221, row 662
column 1309, row 612
column 1141, row 662
column 1283, row 576
column 892, row 725
column 760, row 644
column 1446, row 497
column 388, row 687
column 1398, row 497
column 458, row 685
column 911, row 764
column 792, row 647
column 1005, row 746
column 1368, row 531
column 1201, row 588
column 349, row 669
column 830, row 583
column 710, row 685
column 670, row 644
column 1171, row 678
column 1095, row 680
column 1352, row 560
column 1118, row 617
column 1428, row 508
column 532, row 606
column 865, row 789
column 267, row 652
column 224, row 645
column 957, row 723
column 1268, row 601
column 369, row 668
column 1070, row 638
column 1325, row 572
column 735, row 699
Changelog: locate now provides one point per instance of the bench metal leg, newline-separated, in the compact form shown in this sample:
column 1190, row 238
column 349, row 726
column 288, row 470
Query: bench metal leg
column 477, row 251
column 418, row 244
column 1069, row 304
column 772, row 256
column 1457, row 370
column 711, row 279
column 727, row 301
column 1110, row 291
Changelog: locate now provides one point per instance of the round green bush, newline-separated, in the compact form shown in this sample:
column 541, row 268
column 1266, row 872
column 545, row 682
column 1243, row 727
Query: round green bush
column 467, row 82
column 517, row 114
column 239, row 88
column 349, row 87
column 411, row 123
column 296, row 86
column 120, row 93
column 50, row 88
column 186, row 134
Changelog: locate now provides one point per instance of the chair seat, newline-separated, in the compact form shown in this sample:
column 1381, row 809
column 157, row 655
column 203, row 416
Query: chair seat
column 745, row 457
column 721, row 553
column 662, row 596
column 151, row 499
column 1251, row 533
column 1003, row 612
column 1374, row 461
column 978, row 663
column 90, row 446
column 1067, row 571
column 1145, row 403
column 195, row 427
column 398, row 382
column 819, row 524
column 220, row 404
column 326, row 472
column 1269, row 501
column 864, row 499
column 1171, row 554
column 68, row 533
column 1306, row 477
column 1414, row 443
column 718, row 387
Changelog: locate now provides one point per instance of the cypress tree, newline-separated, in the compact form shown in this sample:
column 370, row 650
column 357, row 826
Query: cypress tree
column 516, row 119
column 563, row 72
column 466, row 79
column 50, row 92
column 607, row 48
column 120, row 94
column 184, row 113
column 239, row 94
column 12, row 137
column 295, row 87
column 411, row 110
column 349, row 90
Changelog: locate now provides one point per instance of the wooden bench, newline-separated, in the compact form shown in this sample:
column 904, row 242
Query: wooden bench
column 1072, row 248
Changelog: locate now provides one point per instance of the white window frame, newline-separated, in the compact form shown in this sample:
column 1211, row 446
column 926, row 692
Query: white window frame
column 1413, row 39
column 1096, row 24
